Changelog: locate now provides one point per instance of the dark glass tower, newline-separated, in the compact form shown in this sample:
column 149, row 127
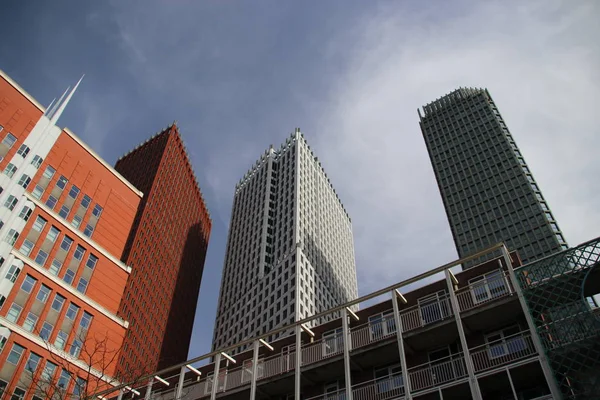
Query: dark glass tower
column 487, row 188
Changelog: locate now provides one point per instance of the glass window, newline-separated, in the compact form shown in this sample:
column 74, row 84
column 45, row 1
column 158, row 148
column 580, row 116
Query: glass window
column 10, row 202
column 69, row 276
column 15, row 354
column 13, row 273
column 66, row 243
column 13, row 313
column 9, row 140
column 55, row 267
column 30, row 321
column 43, row 293
column 97, row 210
column 33, row 362
column 37, row 161
column 51, row 202
column 88, row 230
column 86, row 320
column 18, row 394
column 28, row 283
column 26, row 248
column 25, row 213
column 61, row 340
column 37, row 192
column 49, row 172
column 82, row 285
column 64, row 211
column 62, row 182
column 41, row 257
column 3, row 384
column 53, row 234
column 91, row 261
column 85, row 201
column 79, row 252
column 23, row 150
column 79, row 388
column 75, row 348
column 49, row 371
column 11, row 237
column 72, row 311
column 58, row 302
column 10, row 169
column 39, row 223
column 46, row 330
column 74, row 192
column 24, row 181
column 65, row 378
column 76, row 221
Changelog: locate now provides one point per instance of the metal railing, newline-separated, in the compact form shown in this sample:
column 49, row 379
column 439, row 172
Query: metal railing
column 436, row 373
column 484, row 291
column 502, row 351
column 390, row 387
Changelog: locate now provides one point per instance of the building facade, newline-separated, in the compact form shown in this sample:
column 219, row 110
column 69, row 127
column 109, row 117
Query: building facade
column 495, row 331
column 166, row 250
column 487, row 188
column 290, row 251
column 65, row 216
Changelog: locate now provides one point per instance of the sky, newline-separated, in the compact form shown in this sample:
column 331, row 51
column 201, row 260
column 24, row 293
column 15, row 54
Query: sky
column 238, row 76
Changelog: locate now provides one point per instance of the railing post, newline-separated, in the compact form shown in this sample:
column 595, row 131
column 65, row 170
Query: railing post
column 298, row 362
column 213, row 392
column 473, row 384
column 254, row 369
column 346, row 333
column 400, row 339
column 149, row 389
column 556, row 393
column 120, row 396
column 179, row 393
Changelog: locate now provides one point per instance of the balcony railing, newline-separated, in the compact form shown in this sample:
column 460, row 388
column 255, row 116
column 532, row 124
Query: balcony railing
column 484, row 291
column 503, row 351
column 437, row 372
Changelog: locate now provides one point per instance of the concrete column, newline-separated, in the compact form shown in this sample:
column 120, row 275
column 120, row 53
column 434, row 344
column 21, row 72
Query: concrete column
column 149, row 389
column 179, row 393
column 254, row 369
column 120, row 396
column 213, row 393
column 554, row 390
column 298, row 362
column 400, row 339
column 346, row 337
column 473, row 384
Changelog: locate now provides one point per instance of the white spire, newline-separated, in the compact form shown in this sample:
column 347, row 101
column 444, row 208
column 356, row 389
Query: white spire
column 55, row 106
column 49, row 107
column 62, row 105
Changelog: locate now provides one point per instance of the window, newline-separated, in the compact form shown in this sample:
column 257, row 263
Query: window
column 88, row 230
column 97, row 210
column 434, row 308
column 25, row 213
column 66, row 243
column 64, row 211
column 72, row 311
column 76, row 221
column 51, row 202
column 488, row 286
column 49, row 371
column 37, row 192
column 389, row 379
column 46, row 330
column 13, row 273
column 33, row 362
column 18, row 394
column 23, row 150
column 75, row 348
column 41, row 257
column 43, row 293
column 37, row 161
column 61, row 340
column 49, row 172
column 381, row 325
column 79, row 252
column 30, row 321
column 10, row 169
column 24, row 181
column 65, row 378
column 15, row 354
column 62, row 182
column 26, row 248
column 9, row 140
column 13, row 313
column 3, row 384
column 85, row 201
column 10, row 202
column 82, row 285
column 58, row 302
column 28, row 284
column 55, row 267
column 39, row 223
column 11, row 237
column 74, row 192
column 52, row 234
column 69, row 276
column 333, row 342
column 79, row 388
column 86, row 320
column 504, row 342
column 91, row 261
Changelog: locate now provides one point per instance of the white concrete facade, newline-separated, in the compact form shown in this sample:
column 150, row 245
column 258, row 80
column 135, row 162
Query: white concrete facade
column 290, row 250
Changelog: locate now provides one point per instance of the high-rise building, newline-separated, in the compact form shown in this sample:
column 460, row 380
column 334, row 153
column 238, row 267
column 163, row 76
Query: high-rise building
column 65, row 216
column 487, row 188
column 290, row 250
column 166, row 250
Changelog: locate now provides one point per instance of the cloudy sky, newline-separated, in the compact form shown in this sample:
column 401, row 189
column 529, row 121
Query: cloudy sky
column 238, row 76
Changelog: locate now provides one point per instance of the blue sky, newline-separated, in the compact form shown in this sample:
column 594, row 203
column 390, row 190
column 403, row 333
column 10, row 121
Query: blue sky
column 238, row 76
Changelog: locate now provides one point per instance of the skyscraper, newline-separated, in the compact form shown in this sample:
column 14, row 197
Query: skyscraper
column 290, row 250
column 166, row 250
column 487, row 188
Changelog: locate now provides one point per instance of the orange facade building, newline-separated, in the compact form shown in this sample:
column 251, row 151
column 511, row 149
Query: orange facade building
column 66, row 220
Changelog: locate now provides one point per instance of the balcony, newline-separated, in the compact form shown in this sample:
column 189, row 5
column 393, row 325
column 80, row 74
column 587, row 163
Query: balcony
column 492, row 287
column 501, row 352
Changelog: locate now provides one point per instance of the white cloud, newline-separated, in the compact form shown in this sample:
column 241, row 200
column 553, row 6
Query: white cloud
column 539, row 60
